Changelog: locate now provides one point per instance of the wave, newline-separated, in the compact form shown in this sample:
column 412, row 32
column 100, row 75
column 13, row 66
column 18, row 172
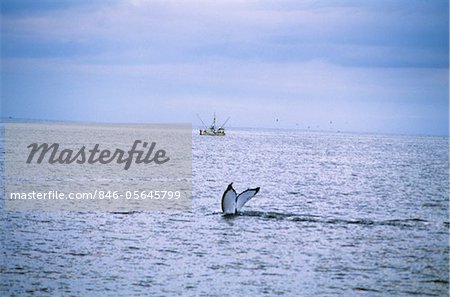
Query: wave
column 296, row 217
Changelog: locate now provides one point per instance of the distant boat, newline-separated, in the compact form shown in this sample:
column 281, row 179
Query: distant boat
column 212, row 130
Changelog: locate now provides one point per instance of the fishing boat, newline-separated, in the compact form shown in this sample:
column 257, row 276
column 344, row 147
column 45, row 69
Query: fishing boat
column 212, row 130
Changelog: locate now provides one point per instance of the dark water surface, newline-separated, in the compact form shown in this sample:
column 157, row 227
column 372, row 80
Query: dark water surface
column 337, row 215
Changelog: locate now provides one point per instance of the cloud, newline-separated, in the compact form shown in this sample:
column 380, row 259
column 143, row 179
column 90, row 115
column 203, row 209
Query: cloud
column 186, row 31
column 307, row 61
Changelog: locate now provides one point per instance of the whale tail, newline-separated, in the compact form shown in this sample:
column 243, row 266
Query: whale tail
column 232, row 203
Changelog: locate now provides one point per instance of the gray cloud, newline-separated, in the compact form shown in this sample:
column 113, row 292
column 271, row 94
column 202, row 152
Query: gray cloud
column 364, row 63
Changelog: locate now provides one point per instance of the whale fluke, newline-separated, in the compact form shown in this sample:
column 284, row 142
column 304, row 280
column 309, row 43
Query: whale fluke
column 232, row 203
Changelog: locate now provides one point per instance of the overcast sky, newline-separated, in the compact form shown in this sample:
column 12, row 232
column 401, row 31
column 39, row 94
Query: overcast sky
column 368, row 66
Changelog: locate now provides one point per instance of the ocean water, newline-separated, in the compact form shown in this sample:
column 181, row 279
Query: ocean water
column 337, row 215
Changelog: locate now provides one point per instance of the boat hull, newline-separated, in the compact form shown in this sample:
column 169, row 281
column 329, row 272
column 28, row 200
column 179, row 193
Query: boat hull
column 212, row 133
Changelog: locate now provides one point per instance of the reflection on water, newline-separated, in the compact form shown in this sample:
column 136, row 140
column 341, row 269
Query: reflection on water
column 337, row 214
